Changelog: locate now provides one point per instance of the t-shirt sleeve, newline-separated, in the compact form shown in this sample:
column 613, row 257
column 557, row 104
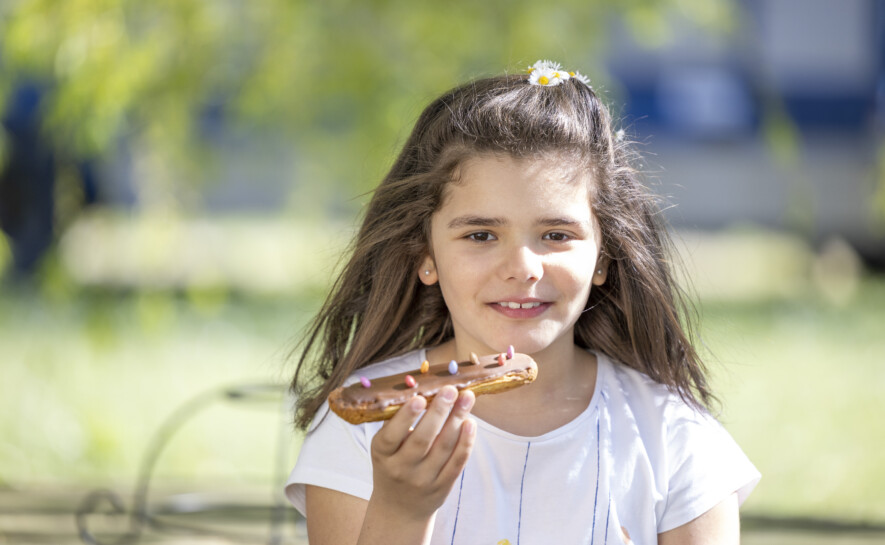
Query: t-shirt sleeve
column 334, row 455
column 705, row 467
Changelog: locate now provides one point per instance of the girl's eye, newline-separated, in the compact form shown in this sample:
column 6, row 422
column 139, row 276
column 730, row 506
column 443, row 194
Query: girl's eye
column 557, row 236
column 481, row 236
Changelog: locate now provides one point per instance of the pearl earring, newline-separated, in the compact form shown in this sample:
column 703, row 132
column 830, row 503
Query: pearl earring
column 426, row 273
column 599, row 272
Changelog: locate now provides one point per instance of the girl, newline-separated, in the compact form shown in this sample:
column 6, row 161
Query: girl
column 513, row 216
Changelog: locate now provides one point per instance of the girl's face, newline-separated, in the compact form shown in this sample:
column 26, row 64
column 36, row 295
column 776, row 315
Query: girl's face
column 515, row 247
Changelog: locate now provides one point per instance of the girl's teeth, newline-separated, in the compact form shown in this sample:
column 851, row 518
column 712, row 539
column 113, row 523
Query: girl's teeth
column 511, row 304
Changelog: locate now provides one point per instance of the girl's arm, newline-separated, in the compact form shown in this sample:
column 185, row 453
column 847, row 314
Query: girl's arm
column 413, row 471
column 335, row 517
column 718, row 526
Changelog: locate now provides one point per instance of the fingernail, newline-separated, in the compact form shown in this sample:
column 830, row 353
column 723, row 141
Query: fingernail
column 416, row 403
column 465, row 401
column 449, row 394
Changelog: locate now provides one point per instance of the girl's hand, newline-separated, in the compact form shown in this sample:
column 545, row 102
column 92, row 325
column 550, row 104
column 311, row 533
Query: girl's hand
column 414, row 469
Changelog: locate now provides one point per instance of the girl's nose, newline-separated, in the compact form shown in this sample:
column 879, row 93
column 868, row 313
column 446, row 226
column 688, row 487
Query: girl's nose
column 523, row 263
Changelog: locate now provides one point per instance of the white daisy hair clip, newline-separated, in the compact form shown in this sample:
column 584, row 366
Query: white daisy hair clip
column 551, row 74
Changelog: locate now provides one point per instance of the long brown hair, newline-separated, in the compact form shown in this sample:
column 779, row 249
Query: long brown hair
column 377, row 308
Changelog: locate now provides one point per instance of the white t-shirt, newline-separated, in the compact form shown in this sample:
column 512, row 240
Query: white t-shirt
column 637, row 457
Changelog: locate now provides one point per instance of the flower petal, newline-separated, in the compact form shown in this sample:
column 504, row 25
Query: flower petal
column 582, row 78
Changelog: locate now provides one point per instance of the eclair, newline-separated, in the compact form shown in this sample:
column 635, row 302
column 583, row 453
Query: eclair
column 380, row 398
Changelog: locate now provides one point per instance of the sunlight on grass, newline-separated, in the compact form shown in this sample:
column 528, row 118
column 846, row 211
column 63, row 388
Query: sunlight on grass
column 802, row 387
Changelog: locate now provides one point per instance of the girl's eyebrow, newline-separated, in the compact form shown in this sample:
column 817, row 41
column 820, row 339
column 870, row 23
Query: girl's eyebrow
column 475, row 221
column 561, row 222
column 482, row 221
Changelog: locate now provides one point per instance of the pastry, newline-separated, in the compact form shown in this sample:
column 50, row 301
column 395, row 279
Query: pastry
column 380, row 398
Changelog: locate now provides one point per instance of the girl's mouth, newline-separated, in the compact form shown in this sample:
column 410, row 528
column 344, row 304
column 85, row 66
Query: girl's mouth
column 514, row 305
column 515, row 309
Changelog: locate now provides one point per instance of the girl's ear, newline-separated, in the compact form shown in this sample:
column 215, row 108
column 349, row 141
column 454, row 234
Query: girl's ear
column 427, row 272
column 601, row 273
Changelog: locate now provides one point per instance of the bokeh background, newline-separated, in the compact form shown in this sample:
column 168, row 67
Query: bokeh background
column 179, row 178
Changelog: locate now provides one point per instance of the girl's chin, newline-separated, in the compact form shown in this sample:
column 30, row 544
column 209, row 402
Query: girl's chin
column 529, row 340
column 526, row 344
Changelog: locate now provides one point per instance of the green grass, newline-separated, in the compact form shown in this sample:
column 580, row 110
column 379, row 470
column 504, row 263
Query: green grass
column 88, row 381
column 88, row 378
column 802, row 383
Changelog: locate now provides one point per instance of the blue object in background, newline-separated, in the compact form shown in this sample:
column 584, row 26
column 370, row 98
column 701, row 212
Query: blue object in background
column 27, row 181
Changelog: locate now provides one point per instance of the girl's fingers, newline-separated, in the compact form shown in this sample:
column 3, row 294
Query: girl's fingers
column 455, row 463
column 437, row 414
column 427, row 459
column 392, row 434
column 437, row 432
column 449, row 435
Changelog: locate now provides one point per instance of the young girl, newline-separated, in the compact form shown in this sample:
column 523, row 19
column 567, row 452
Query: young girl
column 513, row 216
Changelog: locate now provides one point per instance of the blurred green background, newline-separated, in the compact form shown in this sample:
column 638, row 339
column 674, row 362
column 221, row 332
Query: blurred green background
column 179, row 179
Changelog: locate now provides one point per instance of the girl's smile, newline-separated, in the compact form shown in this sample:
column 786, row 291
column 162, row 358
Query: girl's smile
column 524, row 309
column 514, row 248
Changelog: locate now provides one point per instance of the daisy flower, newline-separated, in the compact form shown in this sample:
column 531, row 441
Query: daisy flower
column 561, row 75
column 582, row 78
column 550, row 74
column 544, row 65
column 546, row 77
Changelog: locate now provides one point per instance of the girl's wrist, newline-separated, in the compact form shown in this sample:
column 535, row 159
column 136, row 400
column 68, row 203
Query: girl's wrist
column 393, row 525
column 402, row 511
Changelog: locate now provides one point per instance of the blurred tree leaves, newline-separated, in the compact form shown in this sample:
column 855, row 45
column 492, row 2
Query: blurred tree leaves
column 341, row 80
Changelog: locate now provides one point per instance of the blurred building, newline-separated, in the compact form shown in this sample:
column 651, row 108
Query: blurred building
column 775, row 125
